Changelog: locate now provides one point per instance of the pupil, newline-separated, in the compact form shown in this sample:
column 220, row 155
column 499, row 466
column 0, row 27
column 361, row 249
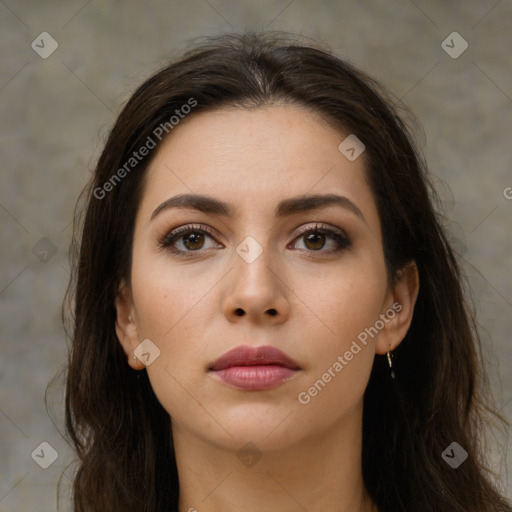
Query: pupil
column 193, row 238
column 311, row 237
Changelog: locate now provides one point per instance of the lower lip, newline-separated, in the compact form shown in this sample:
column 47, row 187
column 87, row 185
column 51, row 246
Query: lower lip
column 255, row 378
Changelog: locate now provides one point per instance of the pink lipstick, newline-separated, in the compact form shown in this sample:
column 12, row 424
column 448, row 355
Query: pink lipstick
column 254, row 368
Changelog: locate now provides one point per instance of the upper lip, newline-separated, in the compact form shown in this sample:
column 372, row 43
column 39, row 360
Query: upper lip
column 252, row 356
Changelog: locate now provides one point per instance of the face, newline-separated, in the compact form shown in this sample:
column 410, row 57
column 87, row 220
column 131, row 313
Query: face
column 260, row 270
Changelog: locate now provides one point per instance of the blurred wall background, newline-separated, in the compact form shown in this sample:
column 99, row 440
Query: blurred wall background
column 58, row 102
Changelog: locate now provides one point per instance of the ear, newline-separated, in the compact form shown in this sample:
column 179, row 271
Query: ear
column 399, row 308
column 126, row 324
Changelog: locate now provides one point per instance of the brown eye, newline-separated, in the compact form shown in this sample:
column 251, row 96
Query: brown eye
column 314, row 241
column 316, row 238
column 193, row 241
column 189, row 239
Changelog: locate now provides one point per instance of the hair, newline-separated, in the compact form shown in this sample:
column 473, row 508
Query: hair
column 120, row 431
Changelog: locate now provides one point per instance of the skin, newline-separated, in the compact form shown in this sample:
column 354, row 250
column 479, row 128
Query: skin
column 253, row 159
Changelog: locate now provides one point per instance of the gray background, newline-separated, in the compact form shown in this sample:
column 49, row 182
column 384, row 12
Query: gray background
column 55, row 113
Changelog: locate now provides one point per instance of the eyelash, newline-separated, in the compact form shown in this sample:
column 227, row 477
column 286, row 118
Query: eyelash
column 167, row 241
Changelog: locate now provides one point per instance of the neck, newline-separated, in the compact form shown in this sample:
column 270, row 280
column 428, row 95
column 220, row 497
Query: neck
column 321, row 473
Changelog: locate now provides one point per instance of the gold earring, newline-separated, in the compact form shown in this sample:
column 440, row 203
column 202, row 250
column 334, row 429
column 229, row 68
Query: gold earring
column 390, row 365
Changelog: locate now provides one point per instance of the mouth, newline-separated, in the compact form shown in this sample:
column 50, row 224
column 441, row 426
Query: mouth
column 254, row 368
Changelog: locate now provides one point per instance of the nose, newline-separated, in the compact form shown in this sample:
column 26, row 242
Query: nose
column 256, row 292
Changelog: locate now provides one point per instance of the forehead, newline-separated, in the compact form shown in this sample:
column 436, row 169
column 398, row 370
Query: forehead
column 255, row 157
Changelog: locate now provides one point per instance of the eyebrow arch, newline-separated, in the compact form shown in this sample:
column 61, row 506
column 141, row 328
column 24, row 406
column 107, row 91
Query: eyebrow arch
column 287, row 207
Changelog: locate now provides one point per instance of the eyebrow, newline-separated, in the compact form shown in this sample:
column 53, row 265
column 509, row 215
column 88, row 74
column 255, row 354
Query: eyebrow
column 287, row 207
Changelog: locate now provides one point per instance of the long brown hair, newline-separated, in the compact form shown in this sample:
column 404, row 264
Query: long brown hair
column 119, row 429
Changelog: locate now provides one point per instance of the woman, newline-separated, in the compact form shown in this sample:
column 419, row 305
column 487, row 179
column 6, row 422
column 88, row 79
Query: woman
column 267, row 313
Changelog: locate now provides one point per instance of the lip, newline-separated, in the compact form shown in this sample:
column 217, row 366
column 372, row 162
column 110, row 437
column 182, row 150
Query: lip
column 254, row 368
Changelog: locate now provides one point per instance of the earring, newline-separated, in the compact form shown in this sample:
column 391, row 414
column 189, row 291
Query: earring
column 390, row 365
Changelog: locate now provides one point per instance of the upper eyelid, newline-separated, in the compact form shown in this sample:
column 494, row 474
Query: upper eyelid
column 204, row 227
column 319, row 226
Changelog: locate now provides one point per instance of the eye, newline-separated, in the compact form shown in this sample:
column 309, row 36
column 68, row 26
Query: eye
column 187, row 240
column 315, row 238
column 191, row 238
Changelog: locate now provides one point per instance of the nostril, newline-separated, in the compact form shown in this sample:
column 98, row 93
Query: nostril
column 239, row 311
column 272, row 312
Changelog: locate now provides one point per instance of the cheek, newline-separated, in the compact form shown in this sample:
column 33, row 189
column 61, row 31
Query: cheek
column 347, row 304
column 345, row 301
column 172, row 315
column 162, row 292
column 168, row 304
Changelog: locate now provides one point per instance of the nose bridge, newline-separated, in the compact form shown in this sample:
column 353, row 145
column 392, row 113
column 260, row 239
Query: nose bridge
column 253, row 263
column 255, row 288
